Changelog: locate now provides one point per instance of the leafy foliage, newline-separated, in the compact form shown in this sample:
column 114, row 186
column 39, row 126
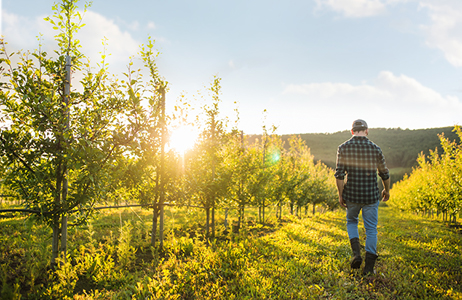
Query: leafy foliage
column 435, row 186
column 105, row 140
column 56, row 138
column 305, row 258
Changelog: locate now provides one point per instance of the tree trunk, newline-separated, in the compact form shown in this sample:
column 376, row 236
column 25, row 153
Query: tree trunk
column 161, row 227
column 63, row 248
column 314, row 209
column 162, row 168
column 154, row 227
column 226, row 219
column 241, row 216
column 279, row 212
column 213, row 221
column 263, row 211
column 67, row 90
column 207, row 221
column 56, row 218
column 55, row 244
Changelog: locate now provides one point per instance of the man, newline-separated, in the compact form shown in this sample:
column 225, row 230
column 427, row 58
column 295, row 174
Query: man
column 359, row 159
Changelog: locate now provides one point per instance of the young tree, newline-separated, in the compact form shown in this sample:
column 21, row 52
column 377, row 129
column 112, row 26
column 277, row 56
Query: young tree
column 243, row 164
column 151, row 171
column 261, row 189
column 436, row 185
column 299, row 161
column 280, row 172
column 205, row 180
column 58, row 145
column 322, row 188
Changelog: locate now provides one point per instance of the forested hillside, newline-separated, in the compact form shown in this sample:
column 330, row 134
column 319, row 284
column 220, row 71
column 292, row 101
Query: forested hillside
column 400, row 146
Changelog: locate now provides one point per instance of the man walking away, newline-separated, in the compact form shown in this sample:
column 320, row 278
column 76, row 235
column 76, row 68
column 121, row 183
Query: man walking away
column 359, row 159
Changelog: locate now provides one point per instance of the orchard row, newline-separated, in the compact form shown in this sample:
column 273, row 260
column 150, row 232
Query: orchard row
column 75, row 137
column 435, row 186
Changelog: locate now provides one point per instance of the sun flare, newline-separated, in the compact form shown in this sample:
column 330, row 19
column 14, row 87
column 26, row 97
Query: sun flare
column 183, row 138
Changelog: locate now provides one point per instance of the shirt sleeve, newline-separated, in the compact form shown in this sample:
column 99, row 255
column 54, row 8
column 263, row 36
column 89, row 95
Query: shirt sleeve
column 340, row 168
column 382, row 166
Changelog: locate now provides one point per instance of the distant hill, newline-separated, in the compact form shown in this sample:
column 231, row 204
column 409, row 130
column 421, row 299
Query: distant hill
column 401, row 147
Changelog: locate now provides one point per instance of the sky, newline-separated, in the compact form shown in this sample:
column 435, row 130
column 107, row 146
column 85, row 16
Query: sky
column 313, row 65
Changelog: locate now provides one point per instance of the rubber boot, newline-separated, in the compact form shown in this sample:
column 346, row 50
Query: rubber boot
column 370, row 263
column 357, row 260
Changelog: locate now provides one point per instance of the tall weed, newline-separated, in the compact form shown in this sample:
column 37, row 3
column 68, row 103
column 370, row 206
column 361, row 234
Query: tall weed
column 125, row 250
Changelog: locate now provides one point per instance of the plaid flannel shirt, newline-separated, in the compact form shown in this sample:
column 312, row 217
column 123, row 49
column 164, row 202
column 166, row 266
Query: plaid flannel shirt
column 359, row 159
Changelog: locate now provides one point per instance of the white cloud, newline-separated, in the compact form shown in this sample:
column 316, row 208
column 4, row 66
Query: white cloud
column 406, row 90
column 445, row 30
column 391, row 101
column 17, row 31
column 151, row 25
column 20, row 33
column 354, row 8
column 359, row 8
column 134, row 25
column 121, row 45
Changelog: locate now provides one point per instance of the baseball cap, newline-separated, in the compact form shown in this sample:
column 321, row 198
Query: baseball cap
column 359, row 125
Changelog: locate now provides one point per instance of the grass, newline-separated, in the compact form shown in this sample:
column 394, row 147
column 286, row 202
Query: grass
column 305, row 258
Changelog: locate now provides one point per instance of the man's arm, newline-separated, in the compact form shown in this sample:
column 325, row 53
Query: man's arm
column 386, row 190
column 340, row 185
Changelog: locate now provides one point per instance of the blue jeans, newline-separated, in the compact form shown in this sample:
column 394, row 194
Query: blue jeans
column 370, row 217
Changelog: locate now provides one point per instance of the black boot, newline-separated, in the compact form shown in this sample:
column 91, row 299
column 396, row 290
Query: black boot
column 370, row 263
column 357, row 260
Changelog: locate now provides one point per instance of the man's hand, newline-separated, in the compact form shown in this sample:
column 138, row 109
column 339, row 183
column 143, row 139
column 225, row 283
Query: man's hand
column 385, row 195
column 386, row 190
column 340, row 185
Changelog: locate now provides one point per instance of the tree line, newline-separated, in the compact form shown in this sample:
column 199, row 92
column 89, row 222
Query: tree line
column 401, row 147
column 67, row 146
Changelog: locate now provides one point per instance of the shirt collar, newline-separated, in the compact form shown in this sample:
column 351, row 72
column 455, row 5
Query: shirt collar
column 359, row 137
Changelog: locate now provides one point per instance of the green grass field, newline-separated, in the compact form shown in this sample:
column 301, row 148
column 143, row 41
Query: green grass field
column 305, row 258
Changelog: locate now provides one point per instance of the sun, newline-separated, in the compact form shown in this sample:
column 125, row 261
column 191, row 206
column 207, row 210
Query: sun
column 183, row 138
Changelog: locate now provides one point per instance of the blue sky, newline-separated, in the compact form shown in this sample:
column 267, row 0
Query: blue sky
column 314, row 65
